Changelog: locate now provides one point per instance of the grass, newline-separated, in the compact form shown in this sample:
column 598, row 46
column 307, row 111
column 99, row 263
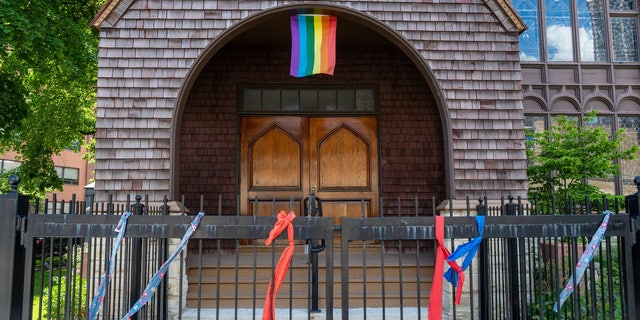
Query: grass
column 50, row 285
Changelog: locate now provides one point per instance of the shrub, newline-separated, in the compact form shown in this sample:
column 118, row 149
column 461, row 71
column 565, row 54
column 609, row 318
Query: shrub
column 564, row 158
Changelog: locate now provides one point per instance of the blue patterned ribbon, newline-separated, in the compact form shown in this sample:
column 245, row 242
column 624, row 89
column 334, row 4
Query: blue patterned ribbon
column 468, row 250
column 151, row 288
column 584, row 261
column 121, row 228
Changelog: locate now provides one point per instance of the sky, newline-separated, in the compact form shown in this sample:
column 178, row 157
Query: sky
column 558, row 31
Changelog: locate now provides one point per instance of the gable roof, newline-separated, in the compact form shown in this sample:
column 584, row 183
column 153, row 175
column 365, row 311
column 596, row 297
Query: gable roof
column 504, row 11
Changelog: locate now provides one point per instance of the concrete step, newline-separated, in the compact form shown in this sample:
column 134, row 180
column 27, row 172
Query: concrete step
column 303, row 313
column 376, row 278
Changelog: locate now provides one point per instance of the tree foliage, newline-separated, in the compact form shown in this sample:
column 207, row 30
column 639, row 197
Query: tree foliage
column 564, row 158
column 48, row 75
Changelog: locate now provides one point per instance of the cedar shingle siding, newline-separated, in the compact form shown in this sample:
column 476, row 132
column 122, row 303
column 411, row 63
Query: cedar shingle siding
column 450, row 109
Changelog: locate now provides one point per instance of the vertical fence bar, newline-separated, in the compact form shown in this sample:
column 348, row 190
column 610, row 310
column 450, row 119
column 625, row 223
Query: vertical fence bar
column 312, row 205
column 522, row 267
column 484, row 271
column 400, row 251
column 181, row 298
column 512, row 263
column 344, row 272
column 418, row 277
column 136, row 260
column 364, row 270
column 13, row 211
column 163, row 306
column 236, row 252
column 255, row 267
column 633, row 208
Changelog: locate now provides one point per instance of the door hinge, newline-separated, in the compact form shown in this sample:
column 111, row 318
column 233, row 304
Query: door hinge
column 21, row 227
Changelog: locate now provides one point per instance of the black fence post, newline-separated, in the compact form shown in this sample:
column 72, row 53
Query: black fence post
column 164, row 254
column 510, row 209
column 14, row 209
column 484, row 270
column 136, row 260
column 632, row 202
column 313, row 208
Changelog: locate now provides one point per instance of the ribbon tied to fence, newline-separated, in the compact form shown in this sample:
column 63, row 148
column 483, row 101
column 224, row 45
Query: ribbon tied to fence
column 284, row 221
column 468, row 250
column 442, row 253
column 155, row 280
column 152, row 287
column 106, row 277
column 585, row 260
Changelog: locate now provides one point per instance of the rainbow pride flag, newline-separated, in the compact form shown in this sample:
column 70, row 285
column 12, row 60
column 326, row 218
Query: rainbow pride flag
column 313, row 44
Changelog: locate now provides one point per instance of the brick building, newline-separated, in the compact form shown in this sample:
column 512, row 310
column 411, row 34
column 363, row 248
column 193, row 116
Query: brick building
column 195, row 97
column 76, row 173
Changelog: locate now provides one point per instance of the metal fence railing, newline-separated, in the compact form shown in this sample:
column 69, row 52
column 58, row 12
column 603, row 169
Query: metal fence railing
column 377, row 267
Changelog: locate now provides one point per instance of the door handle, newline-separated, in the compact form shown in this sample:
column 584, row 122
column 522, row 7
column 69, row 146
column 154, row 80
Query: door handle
column 313, row 208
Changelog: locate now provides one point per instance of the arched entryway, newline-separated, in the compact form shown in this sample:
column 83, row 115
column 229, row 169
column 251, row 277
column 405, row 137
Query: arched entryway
column 407, row 137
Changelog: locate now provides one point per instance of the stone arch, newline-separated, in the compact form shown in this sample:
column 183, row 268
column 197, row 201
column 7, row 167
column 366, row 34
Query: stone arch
column 358, row 17
column 600, row 103
column 564, row 104
column 629, row 104
column 534, row 104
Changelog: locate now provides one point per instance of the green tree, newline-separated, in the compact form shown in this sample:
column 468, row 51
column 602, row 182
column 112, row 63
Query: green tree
column 48, row 75
column 564, row 158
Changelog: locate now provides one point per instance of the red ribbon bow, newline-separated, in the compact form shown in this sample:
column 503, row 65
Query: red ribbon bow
column 284, row 221
column 442, row 253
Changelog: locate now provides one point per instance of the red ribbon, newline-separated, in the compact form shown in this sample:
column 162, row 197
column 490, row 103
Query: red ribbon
column 442, row 253
column 284, row 221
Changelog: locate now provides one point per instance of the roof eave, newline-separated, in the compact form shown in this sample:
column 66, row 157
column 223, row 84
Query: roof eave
column 104, row 12
column 517, row 24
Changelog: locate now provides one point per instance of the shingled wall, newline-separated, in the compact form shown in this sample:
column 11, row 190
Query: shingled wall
column 148, row 48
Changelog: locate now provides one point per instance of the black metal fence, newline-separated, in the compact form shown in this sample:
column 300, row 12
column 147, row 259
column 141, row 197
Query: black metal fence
column 70, row 250
column 373, row 267
column 524, row 262
column 534, row 256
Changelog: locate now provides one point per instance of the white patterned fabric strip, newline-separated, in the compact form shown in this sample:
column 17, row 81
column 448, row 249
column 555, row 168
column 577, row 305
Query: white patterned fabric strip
column 121, row 228
column 584, row 261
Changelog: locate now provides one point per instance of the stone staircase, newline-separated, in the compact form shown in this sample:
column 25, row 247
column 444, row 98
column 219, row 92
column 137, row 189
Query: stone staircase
column 377, row 277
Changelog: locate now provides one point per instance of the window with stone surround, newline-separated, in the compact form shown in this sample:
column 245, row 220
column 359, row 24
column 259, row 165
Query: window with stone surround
column 606, row 123
column 581, row 55
column 533, row 124
column 629, row 168
column 577, row 30
column 6, row 165
column 68, row 175
column 624, row 28
column 530, row 39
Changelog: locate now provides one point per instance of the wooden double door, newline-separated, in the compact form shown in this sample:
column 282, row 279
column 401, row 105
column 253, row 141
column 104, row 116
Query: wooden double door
column 284, row 158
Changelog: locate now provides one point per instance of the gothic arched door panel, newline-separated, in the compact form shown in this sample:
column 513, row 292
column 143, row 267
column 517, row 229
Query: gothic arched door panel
column 284, row 158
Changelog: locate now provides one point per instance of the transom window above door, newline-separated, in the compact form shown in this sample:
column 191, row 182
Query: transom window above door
column 308, row 99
